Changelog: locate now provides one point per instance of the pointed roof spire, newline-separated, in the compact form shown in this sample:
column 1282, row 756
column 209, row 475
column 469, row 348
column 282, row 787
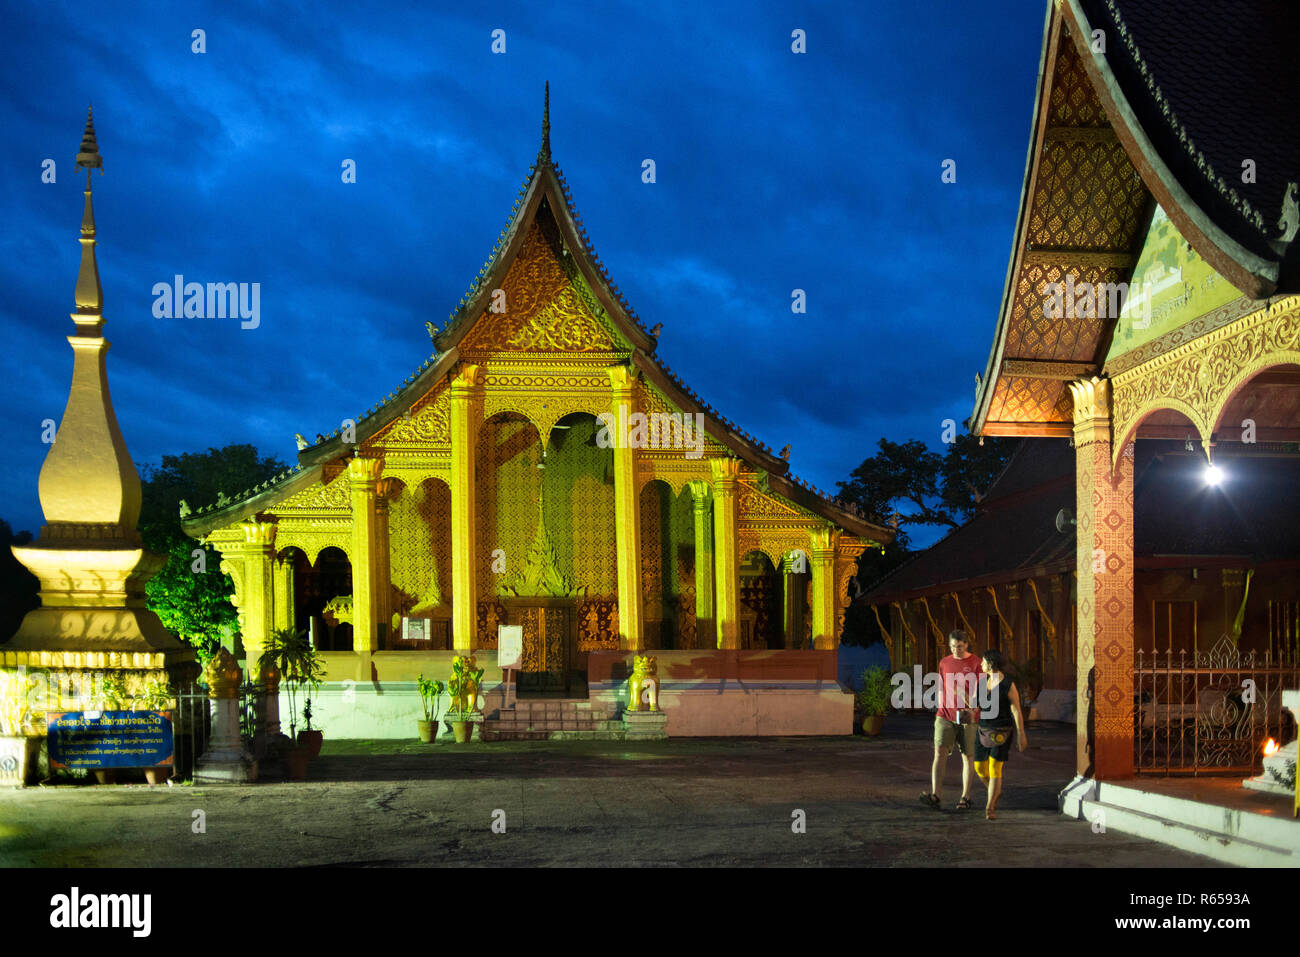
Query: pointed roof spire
column 89, row 157
column 544, row 154
column 89, row 295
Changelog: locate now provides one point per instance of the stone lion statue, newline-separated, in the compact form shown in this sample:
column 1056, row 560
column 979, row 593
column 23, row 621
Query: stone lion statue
column 645, row 678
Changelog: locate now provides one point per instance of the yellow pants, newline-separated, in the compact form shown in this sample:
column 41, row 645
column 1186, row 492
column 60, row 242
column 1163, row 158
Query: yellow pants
column 990, row 768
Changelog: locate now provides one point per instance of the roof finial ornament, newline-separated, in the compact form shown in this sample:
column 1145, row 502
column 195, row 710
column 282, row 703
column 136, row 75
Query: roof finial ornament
column 544, row 155
column 89, row 156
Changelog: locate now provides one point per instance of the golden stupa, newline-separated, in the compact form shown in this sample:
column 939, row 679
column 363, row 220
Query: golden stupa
column 89, row 558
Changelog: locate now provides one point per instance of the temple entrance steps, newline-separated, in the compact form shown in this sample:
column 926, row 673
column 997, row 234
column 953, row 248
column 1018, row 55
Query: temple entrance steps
column 538, row 719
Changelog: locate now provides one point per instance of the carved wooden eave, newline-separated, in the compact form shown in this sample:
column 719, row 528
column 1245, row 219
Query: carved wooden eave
column 1115, row 130
column 1060, row 232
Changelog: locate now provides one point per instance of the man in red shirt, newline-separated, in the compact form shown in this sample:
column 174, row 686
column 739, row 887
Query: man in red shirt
column 956, row 719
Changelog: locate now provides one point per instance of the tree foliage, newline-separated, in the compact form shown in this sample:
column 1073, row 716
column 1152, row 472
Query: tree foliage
column 916, row 487
column 921, row 486
column 191, row 595
column 19, row 588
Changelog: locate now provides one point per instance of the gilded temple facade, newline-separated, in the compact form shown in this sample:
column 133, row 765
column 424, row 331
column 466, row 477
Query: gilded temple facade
column 544, row 468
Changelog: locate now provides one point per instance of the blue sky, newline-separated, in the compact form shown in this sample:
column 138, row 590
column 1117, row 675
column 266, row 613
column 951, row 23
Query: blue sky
column 775, row 171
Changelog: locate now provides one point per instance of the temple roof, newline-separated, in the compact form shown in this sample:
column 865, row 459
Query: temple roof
column 1166, row 113
column 544, row 193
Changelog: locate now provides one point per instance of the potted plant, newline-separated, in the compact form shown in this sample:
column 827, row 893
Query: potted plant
column 300, row 666
column 873, row 699
column 430, row 692
column 19, row 749
column 155, row 696
column 310, row 738
column 463, row 686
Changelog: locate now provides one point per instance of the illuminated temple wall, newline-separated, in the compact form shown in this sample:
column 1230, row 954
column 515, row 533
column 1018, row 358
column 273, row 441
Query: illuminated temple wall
column 544, row 537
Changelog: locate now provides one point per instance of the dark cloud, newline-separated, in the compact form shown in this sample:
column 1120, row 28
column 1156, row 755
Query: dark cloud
column 775, row 172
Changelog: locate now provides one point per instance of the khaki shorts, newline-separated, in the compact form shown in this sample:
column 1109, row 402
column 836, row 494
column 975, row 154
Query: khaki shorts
column 947, row 735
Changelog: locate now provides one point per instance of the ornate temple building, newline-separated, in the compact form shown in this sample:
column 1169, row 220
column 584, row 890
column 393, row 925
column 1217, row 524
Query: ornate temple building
column 1151, row 309
column 544, row 468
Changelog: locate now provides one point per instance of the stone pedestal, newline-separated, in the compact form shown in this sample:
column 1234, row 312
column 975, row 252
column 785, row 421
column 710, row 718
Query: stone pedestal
column 225, row 761
column 645, row 726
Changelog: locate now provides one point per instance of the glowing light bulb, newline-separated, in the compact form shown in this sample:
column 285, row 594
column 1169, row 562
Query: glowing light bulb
column 1213, row 474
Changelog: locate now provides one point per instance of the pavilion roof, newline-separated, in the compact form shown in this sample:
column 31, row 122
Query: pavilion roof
column 1166, row 113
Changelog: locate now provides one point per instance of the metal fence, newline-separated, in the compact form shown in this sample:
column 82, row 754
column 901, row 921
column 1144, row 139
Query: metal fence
column 191, row 728
column 1210, row 712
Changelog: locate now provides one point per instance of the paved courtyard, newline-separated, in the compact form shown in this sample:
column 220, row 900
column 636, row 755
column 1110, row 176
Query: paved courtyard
column 689, row 802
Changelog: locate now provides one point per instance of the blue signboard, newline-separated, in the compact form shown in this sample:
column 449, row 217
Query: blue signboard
column 110, row 739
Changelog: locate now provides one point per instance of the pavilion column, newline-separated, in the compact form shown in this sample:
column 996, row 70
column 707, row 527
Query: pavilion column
column 627, row 516
column 383, row 597
column 363, row 478
column 464, row 419
column 822, row 565
column 249, row 564
column 283, row 615
column 705, row 629
column 1104, row 568
column 726, row 567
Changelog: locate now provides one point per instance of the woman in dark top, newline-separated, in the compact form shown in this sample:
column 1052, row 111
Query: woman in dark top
column 1000, row 721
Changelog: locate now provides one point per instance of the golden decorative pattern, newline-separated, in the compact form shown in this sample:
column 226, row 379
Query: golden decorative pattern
column 1201, row 377
column 544, row 311
column 419, row 546
column 598, row 625
column 332, row 496
column 428, row 423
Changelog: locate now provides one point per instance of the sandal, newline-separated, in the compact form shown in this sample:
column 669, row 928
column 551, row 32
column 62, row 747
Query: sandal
column 991, row 815
column 930, row 800
column 964, row 804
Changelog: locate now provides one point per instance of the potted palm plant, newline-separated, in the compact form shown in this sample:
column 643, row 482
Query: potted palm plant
column 430, row 692
column 873, row 699
column 300, row 665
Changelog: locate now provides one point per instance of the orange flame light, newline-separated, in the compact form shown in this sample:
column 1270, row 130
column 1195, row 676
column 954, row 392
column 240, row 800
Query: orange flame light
column 1270, row 748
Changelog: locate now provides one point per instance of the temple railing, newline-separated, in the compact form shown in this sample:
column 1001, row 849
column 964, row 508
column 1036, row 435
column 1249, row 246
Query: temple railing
column 1209, row 712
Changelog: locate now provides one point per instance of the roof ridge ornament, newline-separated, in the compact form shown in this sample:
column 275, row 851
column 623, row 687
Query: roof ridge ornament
column 544, row 154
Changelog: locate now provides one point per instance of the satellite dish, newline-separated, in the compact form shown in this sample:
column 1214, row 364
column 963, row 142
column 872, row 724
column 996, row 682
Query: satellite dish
column 1064, row 520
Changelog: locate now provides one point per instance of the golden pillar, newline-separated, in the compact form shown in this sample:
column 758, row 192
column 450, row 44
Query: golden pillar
column 363, row 479
column 465, row 416
column 627, row 516
column 282, row 588
column 383, row 595
column 705, row 630
column 822, row 566
column 249, row 565
column 726, row 567
column 1104, row 568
